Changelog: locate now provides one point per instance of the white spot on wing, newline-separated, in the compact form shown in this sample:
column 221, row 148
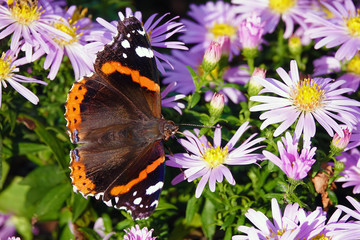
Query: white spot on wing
column 134, row 194
column 137, row 201
column 124, row 55
column 144, row 52
column 154, row 203
column 108, row 203
column 141, row 32
column 125, row 43
column 152, row 189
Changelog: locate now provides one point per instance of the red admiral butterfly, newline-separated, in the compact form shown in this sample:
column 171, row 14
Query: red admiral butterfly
column 115, row 117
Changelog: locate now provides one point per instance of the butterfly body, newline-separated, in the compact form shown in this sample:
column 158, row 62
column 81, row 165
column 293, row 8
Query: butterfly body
column 114, row 116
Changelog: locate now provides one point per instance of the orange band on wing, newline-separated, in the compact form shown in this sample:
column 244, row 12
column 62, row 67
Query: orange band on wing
column 121, row 189
column 111, row 67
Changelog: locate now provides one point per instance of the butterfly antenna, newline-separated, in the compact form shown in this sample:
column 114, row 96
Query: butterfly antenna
column 195, row 125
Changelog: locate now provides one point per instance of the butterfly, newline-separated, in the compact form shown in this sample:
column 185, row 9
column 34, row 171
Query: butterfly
column 114, row 116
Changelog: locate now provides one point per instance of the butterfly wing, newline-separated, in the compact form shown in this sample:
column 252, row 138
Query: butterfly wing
column 114, row 115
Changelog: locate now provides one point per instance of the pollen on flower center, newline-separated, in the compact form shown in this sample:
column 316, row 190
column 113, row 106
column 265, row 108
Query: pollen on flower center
column 71, row 30
column 307, row 96
column 5, row 67
column 320, row 237
column 25, row 13
column 353, row 24
column 221, row 29
column 281, row 6
column 354, row 65
column 215, row 156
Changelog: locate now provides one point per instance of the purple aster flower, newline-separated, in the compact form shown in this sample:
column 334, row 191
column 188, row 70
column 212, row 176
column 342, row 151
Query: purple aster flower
column 329, row 64
column 294, row 223
column 251, row 31
column 8, row 70
column 340, row 30
column 212, row 21
column 171, row 102
column 180, row 74
column 81, row 53
column 290, row 11
column 293, row 164
column 158, row 34
column 351, row 173
column 304, row 100
column 27, row 20
column 135, row 233
column 208, row 161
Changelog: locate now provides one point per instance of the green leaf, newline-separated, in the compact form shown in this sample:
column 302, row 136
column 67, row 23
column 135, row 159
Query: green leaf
column 79, row 205
column 23, row 227
column 90, row 234
column 31, row 148
column 48, row 138
column 49, row 207
column 191, row 208
column 13, row 199
column 195, row 98
column 332, row 196
column 208, row 217
column 228, row 234
column 229, row 219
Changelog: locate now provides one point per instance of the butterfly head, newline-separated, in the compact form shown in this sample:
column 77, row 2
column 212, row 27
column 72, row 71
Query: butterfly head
column 169, row 129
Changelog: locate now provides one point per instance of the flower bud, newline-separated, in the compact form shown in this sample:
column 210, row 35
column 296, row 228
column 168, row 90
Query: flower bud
column 224, row 42
column 211, row 56
column 338, row 144
column 295, row 46
column 216, row 105
column 254, row 86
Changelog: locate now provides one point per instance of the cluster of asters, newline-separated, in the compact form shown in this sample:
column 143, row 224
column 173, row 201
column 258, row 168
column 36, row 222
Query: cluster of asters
column 217, row 33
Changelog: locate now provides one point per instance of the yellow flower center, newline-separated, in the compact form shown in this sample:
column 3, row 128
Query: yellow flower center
column 220, row 29
column 353, row 24
column 354, row 65
column 215, row 156
column 69, row 29
column 25, row 12
column 5, row 68
column 320, row 237
column 281, row 6
column 307, row 96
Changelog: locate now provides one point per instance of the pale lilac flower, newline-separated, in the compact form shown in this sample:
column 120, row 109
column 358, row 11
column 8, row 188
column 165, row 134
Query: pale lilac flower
column 8, row 70
column 81, row 54
column 326, row 65
column 171, row 102
column 158, row 34
column 346, row 230
column 99, row 228
column 27, row 20
column 251, row 31
column 355, row 137
column 208, row 161
column 14, row 238
column 351, row 173
column 340, row 30
column 7, row 229
column 135, row 233
column 270, row 11
column 305, row 100
column 293, row 164
column 210, row 22
column 294, row 223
